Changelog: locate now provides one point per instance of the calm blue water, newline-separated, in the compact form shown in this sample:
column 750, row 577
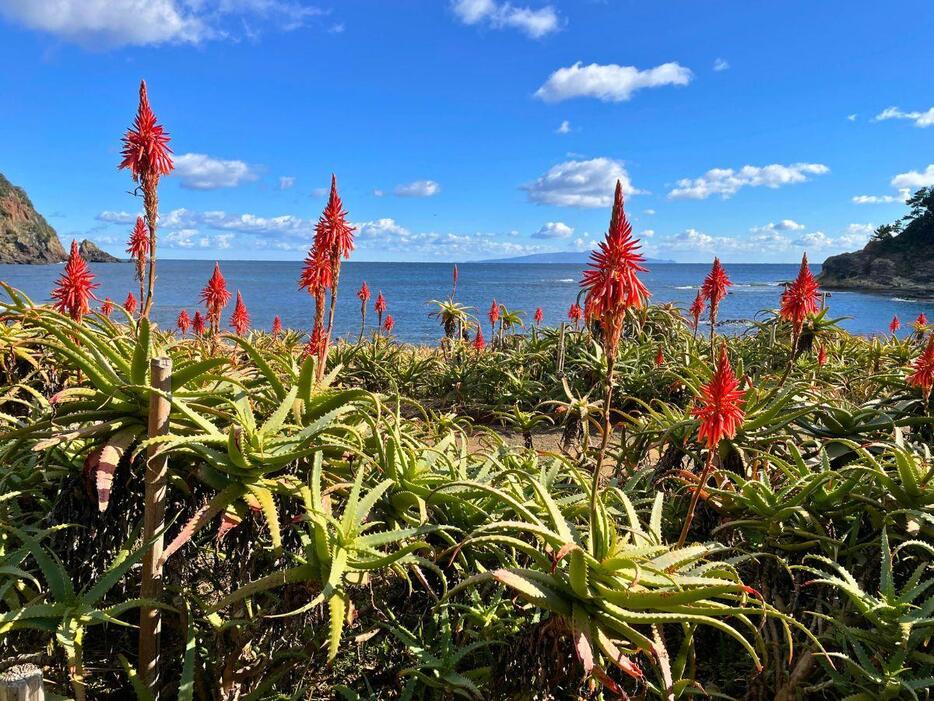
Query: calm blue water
column 269, row 288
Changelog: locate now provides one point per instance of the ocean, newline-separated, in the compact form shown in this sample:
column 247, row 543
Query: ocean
column 270, row 288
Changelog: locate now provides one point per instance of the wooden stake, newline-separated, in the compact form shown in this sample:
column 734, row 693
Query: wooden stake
column 22, row 683
column 561, row 351
column 150, row 623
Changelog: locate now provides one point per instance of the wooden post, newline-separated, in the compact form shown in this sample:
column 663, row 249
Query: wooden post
column 561, row 351
column 22, row 683
column 150, row 623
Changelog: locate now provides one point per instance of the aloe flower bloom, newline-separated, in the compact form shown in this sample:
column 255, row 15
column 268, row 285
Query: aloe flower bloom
column 379, row 306
column 147, row 154
column 389, row 323
column 107, row 307
column 721, row 415
column 923, row 367
column 696, row 309
column 183, row 322
column 478, row 342
column 130, row 304
column 920, row 322
column 197, row 324
column 799, row 300
column 714, row 291
column 138, row 248
column 821, row 356
column 276, row 325
column 240, row 319
column 454, row 286
column 493, row 316
column 215, row 297
column 75, row 287
column 575, row 313
column 363, row 294
column 659, row 357
column 895, row 324
column 539, row 316
column 315, row 342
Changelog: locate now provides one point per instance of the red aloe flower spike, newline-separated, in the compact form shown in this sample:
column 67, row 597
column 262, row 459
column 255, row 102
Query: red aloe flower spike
column 215, row 297
column 107, row 307
column 714, row 291
column 696, row 309
column 478, row 342
column 147, row 154
column 721, row 415
column 75, row 287
column 240, row 319
column 315, row 343
column 138, row 247
column 363, row 294
column 721, row 411
column 895, row 324
column 146, row 149
column 454, row 287
column 800, row 299
column 389, row 323
column 659, row 357
column 197, row 324
column 923, row 367
column 539, row 316
column 920, row 322
column 493, row 316
column 575, row 313
column 183, row 322
column 130, row 303
column 379, row 306
column 332, row 227
column 276, row 325
column 821, row 356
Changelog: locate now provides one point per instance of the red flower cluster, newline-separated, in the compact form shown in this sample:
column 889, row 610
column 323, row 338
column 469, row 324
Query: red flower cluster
column 715, row 286
column 75, row 287
column 389, row 323
column 379, row 306
column 923, row 367
column 659, row 357
column 478, row 342
column 610, row 281
column 215, row 296
column 575, row 313
column 821, row 356
column 697, row 308
column 493, row 314
column 197, row 323
column 145, row 146
column 920, row 322
column 138, row 246
column 130, row 304
column 895, row 324
column 721, row 411
column 333, row 239
column 363, row 294
column 276, row 325
column 183, row 322
column 107, row 307
column 799, row 300
column 539, row 316
column 315, row 343
column 240, row 319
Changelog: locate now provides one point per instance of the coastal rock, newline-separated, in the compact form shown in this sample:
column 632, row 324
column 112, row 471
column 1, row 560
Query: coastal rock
column 25, row 236
column 903, row 262
column 92, row 254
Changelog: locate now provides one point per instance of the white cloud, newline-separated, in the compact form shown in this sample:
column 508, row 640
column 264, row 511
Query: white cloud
column 242, row 223
column 720, row 64
column 915, row 179
column 726, row 182
column 378, row 193
column 778, row 227
column 202, row 172
column 647, row 234
column 286, row 181
column 851, row 117
column 554, row 230
column 193, row 238
column 882, row 199
column 580, row 183
column 582, row 244
column 111, row 217
column 319, row 192
column 854, row 236
column 337, row 28
column 921, row 119
column 419, row 188
column 113, row 23
column 649, row 212
column 609, row 83
column 536, row 23
column 565, row 128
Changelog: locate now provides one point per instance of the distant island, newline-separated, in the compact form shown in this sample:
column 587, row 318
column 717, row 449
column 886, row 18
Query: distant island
column 26, row 237
column 899, row 258
column 575, row 257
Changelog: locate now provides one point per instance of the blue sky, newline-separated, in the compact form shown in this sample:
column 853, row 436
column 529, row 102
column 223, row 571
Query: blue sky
column 476, row 128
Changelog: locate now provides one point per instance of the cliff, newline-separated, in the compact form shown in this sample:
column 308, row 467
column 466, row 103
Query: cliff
column 900, row 258
column 25, row 236
column 92, row 254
